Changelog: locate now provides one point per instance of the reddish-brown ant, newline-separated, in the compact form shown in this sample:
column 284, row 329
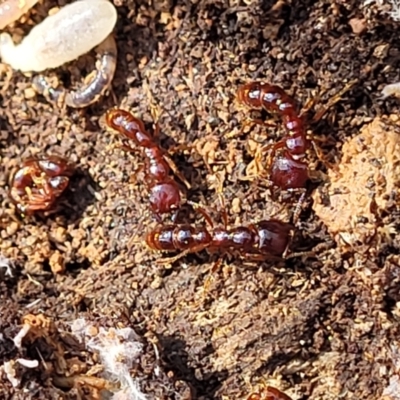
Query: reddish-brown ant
column 37, row 184
column 289, row 169
column 269, row 393
column 266, row 239
column 262, row 240
column 164, row 191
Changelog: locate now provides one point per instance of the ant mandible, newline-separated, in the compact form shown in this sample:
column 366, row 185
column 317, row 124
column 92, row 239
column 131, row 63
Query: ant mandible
column 37, row 184
column 164, row 191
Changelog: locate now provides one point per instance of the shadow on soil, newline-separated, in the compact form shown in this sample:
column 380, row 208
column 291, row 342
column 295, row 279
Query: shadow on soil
column 176, row 358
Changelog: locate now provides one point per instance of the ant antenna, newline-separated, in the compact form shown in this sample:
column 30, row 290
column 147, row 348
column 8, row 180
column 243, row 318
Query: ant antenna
column 198, row 207
column 333, row 100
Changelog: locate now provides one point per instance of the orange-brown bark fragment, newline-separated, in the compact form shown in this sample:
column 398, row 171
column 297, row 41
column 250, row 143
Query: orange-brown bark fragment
column 366, row 179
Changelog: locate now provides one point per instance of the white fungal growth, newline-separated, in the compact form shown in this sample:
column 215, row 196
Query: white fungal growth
column 395, row 12
column 118, row 349
column 7, row 264
column 60, row 38
column 20, row 335
column 11, row 374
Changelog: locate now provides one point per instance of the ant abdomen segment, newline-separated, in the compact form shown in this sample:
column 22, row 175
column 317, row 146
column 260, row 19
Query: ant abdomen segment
column 164, row 197
column 158, row 169
column 288, row 173
column 126, row 124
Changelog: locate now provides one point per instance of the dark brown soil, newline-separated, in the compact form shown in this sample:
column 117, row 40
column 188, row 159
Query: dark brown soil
column 323, row 327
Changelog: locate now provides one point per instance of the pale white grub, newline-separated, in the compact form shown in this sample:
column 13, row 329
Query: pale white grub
column 60, row 38
column 11, row 10
column 95, row 83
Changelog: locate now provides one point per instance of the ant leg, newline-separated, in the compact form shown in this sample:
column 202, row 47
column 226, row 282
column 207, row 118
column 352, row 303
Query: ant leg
column 179, row 147
column 258, row 121
column 198, row 207
column 275, row 147
column 250, row 122
column 171, row 260
column 127, row 148
column 333, row 100
column 254, row 257
column 248, row 174
column 299, row 254
column 321, row 156
column 168, row 158
column 210, row 276
column 285, row 255
column 136, row 236
column 176, row 171
column 325, row 247
column 174, row 217
column 222, row 204
column 156, row 131
column 261, row 171
column 295, row 220
column 311, row 102
column 172, row 150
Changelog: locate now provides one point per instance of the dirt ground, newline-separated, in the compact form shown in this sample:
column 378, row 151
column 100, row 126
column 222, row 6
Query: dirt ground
column 319, row 327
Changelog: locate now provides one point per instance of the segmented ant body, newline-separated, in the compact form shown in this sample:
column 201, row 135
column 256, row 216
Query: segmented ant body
column 265, row 239
column 39, row 182
column 289, row 170
column 269, row 393
column 164, row 192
